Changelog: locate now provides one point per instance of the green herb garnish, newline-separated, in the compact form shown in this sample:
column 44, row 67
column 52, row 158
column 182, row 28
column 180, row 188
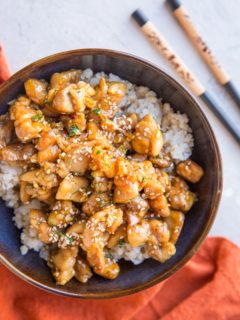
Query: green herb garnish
column 121, row 243
column 109, row 256
column 37, row 116
column 73, row 130
column 98, row 152
column 101, row 202
column 70, row 239
column 97, row 111
column 144, row 179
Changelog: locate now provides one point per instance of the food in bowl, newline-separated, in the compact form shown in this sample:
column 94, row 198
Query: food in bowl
column 97, row 170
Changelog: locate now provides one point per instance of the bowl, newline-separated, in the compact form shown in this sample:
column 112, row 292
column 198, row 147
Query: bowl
column 31, row 267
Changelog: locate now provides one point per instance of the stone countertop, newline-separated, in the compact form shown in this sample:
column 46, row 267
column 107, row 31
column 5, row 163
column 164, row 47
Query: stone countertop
column 32, row 29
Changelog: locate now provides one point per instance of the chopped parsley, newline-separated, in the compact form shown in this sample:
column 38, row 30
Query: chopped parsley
column 109, row 256
column 98, row 152
column 37, row 116
column 121, row 243
column 101, row 202
column 144, row 179
column 73, row 130
column 97, row 111
column 70, row 239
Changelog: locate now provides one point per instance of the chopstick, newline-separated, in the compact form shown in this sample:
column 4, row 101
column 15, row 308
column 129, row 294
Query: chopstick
column 220, row 74
column 190, row 79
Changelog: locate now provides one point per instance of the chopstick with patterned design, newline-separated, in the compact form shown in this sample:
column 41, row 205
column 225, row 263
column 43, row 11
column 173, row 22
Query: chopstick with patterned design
column 220, row 74
column 190, row 79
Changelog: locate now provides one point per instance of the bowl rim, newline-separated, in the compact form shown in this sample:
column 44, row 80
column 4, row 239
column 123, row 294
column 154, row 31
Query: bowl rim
column 216, row 200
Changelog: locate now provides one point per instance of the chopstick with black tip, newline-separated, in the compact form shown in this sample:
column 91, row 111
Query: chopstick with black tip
column 190, row 79
column 220, row 74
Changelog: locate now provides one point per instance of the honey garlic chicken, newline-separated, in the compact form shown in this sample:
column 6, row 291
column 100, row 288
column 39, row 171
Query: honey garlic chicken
column 102, row 176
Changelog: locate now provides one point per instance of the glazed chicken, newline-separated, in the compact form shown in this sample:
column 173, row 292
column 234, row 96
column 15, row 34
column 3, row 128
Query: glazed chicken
column 102, row 177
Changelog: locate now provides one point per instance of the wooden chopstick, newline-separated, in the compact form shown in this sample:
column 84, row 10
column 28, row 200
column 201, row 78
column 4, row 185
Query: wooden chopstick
column 190, row 79
column 220, row 74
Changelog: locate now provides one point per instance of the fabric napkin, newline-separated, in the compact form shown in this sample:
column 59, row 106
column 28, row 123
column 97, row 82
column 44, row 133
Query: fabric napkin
column 207, row 287
column 4, row 71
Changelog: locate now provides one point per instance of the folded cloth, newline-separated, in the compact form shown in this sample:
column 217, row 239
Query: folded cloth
column 4, row 71
column 207, row 287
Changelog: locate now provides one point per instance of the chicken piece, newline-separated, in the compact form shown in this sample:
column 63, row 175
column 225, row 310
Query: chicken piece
column 38, row 192
column 181, row 200
column 6, row 130
column 50, row 154
column 153, row 188
column 73, row 98
column 62, row 213
column 95, row 133
column 28, row 122
column 109, row 96
column 74, row 160
column 38, row 222
column 47, row 139
column 114, row 218
column 60, row 80
column 189, row 170
column 162, row 161
column 62, row 263
column 108, row 125
column 76, row 228
column 73, row 188
column 40, row 178
column 138, row 206
column 160, row 230
column 160, row 206
column 138, row 234
column 101, row 265
column 125, row 190
column 75, row 231
column 48, row 148
column 103, row 161
column 132, row 218
column 17, row 154
column 95, row 203
column 118, row 139
column 100, row 183
column 175, row 223
column 36, row 90
column 24, row 196
column 100, row 224
column 95, row 255
column 123, row 167
column 76, row 124
column 82, row 270
column 164, row 178
column 143, row 173
column 148, row 138
column 38, row 184
column 179, row 197
column 126, row 124
column 118, row 237
column 162, row 252
column 110, row 270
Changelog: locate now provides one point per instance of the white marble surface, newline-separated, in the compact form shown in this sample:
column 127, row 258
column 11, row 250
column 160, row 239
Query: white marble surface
column 31, row 29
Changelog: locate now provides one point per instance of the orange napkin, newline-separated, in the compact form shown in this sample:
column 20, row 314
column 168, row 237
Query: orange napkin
column 207, row 287
column 4, row 71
